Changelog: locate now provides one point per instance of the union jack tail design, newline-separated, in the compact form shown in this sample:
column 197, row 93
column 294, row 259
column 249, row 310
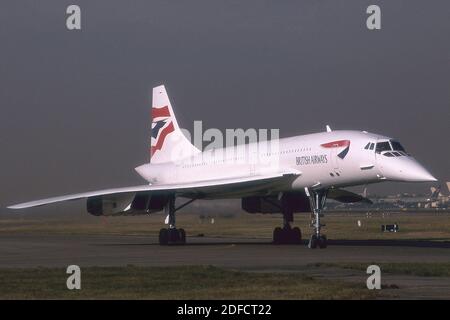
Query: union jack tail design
column 161, row 127
column 168, row 143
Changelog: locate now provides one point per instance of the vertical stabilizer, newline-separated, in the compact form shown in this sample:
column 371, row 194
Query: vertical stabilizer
column 168, row 142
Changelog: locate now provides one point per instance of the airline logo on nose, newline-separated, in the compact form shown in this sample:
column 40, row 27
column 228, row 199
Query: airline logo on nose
column 161, row 127
column 338, row 144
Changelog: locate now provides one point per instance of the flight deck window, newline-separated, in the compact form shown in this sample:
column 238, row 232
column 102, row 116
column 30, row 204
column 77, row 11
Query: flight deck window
column 383, row 146
column 371, row 146
column 397, row 146
column 367, row 146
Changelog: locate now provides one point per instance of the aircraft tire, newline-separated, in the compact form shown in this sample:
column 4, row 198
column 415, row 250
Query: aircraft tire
column 322, row 242
column 296, row 235
column 163, row 237
column 174, row 236
column 312, row 242
column 182, row 236
column 277, row 235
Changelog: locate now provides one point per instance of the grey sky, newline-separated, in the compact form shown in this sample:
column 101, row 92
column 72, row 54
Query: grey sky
column 75, row 105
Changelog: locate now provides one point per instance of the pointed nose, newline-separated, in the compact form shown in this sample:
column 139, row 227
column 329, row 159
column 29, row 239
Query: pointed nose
column 413, row 171
column 405, row 169
column 421, row 175
column 412, row 174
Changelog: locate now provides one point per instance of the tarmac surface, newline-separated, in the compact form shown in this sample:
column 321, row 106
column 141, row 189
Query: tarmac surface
column 251, row 254
column 256, row 255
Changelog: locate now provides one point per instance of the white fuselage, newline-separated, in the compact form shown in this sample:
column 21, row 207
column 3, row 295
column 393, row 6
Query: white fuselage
column 318, row 166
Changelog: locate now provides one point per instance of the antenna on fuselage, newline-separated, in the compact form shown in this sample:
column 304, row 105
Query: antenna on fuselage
column 328, row 128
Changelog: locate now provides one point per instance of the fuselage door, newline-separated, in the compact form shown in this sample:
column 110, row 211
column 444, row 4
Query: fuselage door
column 368, row 158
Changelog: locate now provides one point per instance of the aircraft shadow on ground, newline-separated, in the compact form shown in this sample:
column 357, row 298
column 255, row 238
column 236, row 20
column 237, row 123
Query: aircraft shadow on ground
column 435, row 243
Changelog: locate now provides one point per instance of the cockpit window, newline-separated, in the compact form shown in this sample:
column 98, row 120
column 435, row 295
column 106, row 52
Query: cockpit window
column 367, row 146
column 397, row 146
column 372, row 145
column 383, row 146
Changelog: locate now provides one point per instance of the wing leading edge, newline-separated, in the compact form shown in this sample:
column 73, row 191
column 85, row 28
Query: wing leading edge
column 204, row 189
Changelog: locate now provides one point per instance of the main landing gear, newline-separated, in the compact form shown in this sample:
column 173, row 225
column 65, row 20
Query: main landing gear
column 287, row 234
column 317, row 201
column 172, row 235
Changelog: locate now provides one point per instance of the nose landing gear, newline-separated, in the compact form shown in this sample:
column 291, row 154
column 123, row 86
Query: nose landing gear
column 317, row 201
column 315, row 242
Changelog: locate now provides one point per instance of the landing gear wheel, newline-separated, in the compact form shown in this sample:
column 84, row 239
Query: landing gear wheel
column 296, row 235
column 182, row 236
column 277, row 235
column 287, row 235
column 322, row 242
column 313, row 242
column 163, row 237
column 174, row 236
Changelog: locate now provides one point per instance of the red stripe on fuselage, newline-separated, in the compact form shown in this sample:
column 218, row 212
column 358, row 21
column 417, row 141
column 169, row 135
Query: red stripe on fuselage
column 336, row 144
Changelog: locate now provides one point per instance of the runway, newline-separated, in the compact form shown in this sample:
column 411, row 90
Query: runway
column 251, row 254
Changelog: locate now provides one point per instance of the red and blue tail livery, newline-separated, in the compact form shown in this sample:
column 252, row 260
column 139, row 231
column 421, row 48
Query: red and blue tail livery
column 161, row 127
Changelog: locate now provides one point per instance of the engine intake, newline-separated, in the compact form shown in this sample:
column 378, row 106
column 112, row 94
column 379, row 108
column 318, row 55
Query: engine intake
column 295, row 202
column 133, row 204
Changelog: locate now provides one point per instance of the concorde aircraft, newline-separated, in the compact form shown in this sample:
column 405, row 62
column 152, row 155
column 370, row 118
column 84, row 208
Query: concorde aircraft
column 286, row 176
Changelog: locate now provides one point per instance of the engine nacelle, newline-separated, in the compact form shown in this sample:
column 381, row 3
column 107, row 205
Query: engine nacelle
column 149, row 203
column 295, row 202
column 133, row 204
column 108, row 205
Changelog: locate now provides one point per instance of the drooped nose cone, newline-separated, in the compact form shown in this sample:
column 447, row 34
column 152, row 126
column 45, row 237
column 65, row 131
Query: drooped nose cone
column 404, row 168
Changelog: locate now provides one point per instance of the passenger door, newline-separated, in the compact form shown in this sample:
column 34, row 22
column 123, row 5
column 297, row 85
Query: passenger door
column 368, row 158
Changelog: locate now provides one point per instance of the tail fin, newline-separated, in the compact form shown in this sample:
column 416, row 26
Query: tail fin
column 168, row 141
